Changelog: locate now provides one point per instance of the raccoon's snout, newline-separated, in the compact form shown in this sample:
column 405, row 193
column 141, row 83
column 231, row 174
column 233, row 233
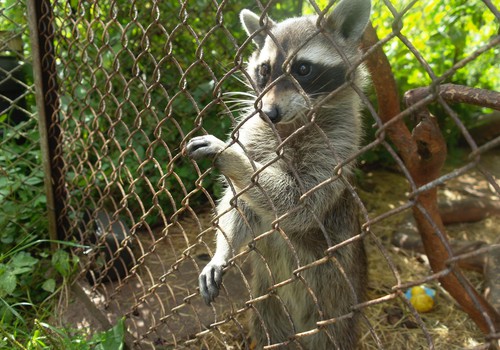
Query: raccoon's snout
column 273, row 113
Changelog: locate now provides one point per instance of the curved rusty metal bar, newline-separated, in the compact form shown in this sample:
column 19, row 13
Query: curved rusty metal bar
column 423, row 152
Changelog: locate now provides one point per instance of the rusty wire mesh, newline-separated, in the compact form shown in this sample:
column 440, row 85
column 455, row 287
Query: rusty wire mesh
column 21, row 170
column 132, row 93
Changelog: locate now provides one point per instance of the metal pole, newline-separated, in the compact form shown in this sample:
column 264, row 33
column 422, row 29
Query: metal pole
column 41, row 20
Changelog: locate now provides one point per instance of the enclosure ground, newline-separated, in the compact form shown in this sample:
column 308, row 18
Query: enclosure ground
column 147, row 299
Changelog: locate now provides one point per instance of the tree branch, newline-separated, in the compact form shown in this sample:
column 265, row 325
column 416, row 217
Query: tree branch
column 457, row 94
column 423, row 153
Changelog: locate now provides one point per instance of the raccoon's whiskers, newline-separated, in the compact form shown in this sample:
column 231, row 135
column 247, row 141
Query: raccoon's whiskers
column 239, row 93
column 242, row 80
column 238, row 106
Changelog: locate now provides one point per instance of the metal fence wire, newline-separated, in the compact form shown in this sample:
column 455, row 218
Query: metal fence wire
column 21, row 171
column 128, row 84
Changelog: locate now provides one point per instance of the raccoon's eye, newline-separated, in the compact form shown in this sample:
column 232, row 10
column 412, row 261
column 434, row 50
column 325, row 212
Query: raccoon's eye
column 303, row 69
column 264, row 70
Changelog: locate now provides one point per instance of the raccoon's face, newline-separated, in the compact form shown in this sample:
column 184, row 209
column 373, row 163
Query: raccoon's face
column 295, row 63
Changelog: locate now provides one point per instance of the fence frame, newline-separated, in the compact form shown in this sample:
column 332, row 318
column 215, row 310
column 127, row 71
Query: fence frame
column 40, row 21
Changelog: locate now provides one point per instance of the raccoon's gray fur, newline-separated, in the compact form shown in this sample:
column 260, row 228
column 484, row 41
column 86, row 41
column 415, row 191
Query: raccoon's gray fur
column 288, row 147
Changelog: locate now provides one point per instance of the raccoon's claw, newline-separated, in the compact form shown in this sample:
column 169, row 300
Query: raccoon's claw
column 206, row 146
column 210, row 282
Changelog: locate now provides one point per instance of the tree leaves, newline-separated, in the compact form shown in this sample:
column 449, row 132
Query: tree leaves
column 8, row 281
column 21, row 264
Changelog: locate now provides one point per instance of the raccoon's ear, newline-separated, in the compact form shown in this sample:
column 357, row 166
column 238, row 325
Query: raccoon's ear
column 251, row 24
column 349, row 18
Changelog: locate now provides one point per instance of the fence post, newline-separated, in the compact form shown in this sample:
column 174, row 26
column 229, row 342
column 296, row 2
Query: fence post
column 40, row 19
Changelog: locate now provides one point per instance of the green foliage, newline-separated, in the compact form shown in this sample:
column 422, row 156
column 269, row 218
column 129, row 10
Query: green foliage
column 20, row 186
column 112, row 339
column 141, row 83
column 443, row 33
column 32, row 273
column 145, row 78
column 29, row 275
column 47, row 337
column 21, row 264
column 11, row 15
column 27, row 283
column 21, row 183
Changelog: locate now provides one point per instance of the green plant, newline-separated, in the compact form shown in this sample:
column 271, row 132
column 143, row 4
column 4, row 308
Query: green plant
column 144, row 90
column 443, row 32
column 11, row 15
column 21, row 185
column 30, row 270
column 49, row 337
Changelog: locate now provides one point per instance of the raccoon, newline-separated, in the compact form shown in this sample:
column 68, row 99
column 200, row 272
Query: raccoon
column 287, row 166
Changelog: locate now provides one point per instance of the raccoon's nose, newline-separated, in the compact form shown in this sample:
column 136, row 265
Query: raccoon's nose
column 273, row 113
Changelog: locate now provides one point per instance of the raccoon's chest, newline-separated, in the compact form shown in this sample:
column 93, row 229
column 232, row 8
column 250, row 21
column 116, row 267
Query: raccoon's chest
column 259, row 141
column 266, row 145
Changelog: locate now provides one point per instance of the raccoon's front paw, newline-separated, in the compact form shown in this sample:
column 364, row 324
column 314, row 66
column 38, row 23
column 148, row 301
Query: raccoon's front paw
column 210, row 281
column 206, row 146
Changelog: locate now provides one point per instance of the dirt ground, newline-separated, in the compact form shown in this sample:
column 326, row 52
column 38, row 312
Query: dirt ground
column 163, row 310
column 448, row 326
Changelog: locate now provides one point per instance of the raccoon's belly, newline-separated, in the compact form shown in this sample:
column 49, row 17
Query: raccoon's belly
column 281, row 261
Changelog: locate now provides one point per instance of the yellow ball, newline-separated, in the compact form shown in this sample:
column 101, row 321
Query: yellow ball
column 417, row 290
column 422, row 302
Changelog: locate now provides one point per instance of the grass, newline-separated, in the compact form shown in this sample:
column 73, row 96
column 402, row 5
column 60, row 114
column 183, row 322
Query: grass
column 27, row 307
column 33, row 275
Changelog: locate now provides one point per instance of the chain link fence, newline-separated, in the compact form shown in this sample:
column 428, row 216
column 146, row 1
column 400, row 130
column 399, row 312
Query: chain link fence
column 21, row 169
column 126, row 85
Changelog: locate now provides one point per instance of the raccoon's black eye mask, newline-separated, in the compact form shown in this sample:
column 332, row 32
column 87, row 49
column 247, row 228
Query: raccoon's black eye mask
column 317, row 78
column 314, row 78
